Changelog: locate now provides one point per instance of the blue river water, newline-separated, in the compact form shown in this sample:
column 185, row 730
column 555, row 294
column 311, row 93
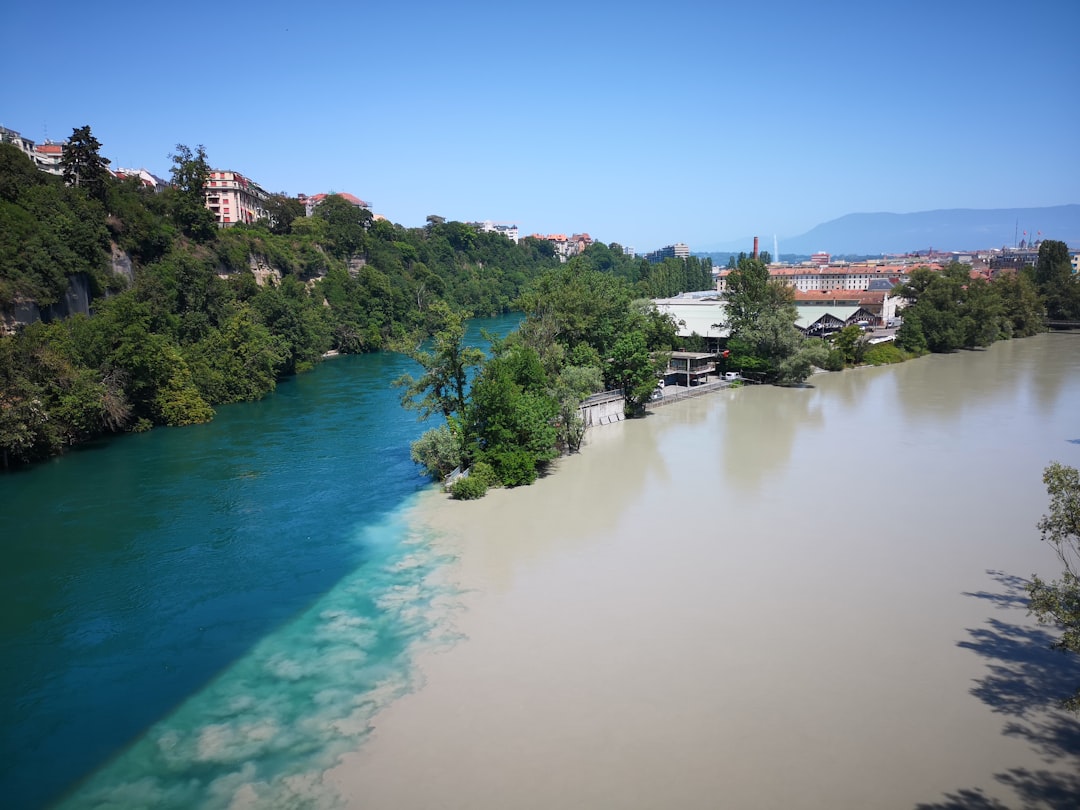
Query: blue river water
column 191, row 617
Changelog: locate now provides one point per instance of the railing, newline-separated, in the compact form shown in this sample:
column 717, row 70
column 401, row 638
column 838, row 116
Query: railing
column 696, row 391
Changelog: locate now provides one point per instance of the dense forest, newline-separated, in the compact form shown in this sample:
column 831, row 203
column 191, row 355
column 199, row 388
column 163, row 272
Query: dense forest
column 208, row 316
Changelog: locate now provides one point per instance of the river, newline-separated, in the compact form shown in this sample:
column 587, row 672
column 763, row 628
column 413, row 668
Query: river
column 140, row 569
column 784, row 597
column 804, row 598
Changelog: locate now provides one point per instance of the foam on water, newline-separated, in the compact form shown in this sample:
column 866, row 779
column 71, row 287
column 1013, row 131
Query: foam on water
column 263, row 733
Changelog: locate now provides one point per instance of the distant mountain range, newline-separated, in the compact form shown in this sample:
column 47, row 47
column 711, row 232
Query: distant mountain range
column 951, row 229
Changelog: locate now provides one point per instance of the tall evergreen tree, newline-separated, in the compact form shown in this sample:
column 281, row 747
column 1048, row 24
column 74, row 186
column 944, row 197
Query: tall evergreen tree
column 83, row 165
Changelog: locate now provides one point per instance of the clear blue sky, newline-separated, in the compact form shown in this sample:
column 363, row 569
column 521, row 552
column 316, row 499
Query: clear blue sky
column 641, row 123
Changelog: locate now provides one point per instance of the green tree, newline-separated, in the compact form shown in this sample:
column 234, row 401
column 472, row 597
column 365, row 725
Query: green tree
column 443, row 387
column 190, row 173
column 761, row 314
column 981, row 313
column 282, row 210
column 1023, row 313
column 950, row 311
column 634, row 370
column 512, row 419
column 1056, row 282
column 17, row 173
column 851, row 343
column 577, row 305
column 572, row 385
column 438, row 451
column 346, row 226
column 1057, row 602
column 83, row 165
column 917, row 282
column 932, row 321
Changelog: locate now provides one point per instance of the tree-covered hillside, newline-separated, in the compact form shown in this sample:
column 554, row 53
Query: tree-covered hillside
column 212, row 316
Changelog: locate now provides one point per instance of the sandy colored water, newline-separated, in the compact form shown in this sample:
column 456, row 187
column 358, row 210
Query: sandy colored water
column 760, row 598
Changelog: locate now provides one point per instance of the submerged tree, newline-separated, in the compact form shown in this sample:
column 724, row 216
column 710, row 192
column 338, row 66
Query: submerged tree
column 1058, row 602
column 441, row 389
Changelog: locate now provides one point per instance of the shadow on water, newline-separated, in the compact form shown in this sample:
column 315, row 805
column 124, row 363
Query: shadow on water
column 1025, row 682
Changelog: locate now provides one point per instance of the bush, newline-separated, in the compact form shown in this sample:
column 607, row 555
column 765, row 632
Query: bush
column 514, row 468
column 485, row 472
column 834, row 361
column 469, row 488
column 438, row 451
column 883, row 354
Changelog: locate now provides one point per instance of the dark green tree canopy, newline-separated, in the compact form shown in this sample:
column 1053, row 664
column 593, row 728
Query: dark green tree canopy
column 190, row 172
column 1058, row 286
column 346, row 225
column 950, row 310
column 83, row 165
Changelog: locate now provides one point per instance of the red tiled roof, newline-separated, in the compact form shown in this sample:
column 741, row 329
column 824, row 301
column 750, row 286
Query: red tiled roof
column 315, row 199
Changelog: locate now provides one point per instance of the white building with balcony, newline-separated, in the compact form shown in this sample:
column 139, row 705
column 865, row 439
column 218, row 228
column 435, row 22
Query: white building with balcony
column 233, row 198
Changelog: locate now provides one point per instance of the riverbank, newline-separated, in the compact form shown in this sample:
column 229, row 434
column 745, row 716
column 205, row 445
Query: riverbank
column 732, row 602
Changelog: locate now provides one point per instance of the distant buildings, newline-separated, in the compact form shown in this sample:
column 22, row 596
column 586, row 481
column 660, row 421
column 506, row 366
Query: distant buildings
column 820, row 258
column 309, row 203
column 151, row 181
column 507, row 229
column 25, row 145
column 676, row 251
column 1013, row 260
column 831, row 278
column 48, row 157
column 566, row 247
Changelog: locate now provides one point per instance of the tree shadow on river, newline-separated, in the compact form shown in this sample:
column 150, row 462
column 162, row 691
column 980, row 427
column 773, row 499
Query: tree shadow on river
column 1025, row 681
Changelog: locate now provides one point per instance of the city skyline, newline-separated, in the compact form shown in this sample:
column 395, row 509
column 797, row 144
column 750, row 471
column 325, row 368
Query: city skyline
column 640, row 124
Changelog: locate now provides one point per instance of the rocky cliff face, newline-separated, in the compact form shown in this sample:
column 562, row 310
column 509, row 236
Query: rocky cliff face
column 76, row 299
column 121, row 264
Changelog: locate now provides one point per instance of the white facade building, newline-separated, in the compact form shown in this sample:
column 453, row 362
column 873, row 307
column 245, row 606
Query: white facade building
column 507, row 229
column 233, row 198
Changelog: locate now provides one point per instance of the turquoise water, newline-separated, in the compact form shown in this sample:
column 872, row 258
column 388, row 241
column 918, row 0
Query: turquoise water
column 192, row 616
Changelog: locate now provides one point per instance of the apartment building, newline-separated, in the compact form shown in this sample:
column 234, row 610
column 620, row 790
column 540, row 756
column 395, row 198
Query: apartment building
column 566, row 246
column 150, row 181
column 48, row 157
column 310, row 203
column 507, row 229
column 24, row 145
column 676, row 251
column 233, row 198
column 830, row 278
